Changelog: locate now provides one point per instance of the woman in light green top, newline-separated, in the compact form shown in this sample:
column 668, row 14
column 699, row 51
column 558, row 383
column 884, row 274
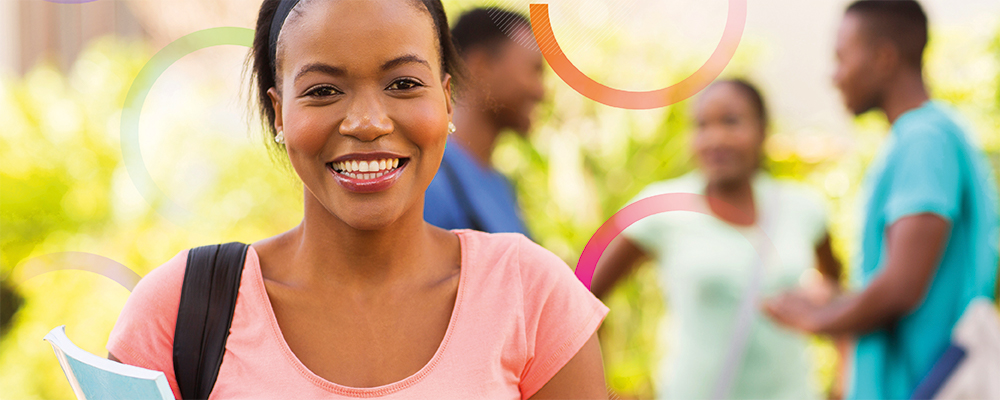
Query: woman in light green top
column 706, row 263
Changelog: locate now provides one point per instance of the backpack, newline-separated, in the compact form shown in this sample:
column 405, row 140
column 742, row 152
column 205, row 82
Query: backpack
column 205, row 314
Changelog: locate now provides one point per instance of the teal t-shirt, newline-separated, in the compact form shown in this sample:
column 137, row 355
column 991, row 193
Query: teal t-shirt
column 927, row 165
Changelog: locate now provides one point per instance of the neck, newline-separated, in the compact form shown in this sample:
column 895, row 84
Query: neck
column 328, row 249
column 905, row 93
column 732, row 201
column 476, row 131
column 735, row 191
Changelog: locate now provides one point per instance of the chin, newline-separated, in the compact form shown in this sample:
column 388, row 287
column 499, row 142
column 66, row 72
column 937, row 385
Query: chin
column 367, row 215
column 369, row 222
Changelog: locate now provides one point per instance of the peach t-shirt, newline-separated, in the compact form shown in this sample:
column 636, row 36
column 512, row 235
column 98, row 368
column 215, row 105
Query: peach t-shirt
column 520, row 315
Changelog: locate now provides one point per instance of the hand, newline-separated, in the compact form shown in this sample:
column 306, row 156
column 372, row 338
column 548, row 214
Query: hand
column 794, row 310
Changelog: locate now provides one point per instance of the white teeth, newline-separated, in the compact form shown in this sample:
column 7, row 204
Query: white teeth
column 375, row 169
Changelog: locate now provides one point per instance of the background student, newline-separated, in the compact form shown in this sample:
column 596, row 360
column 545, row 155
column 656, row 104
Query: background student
column 706, row 265
column 929, row 224
column 505, row 84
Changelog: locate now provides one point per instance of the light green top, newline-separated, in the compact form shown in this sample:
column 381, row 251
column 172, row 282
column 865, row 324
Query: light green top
column 704, row 265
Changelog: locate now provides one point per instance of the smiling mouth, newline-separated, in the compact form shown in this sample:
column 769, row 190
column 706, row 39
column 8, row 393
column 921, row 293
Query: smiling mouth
column 367, row 169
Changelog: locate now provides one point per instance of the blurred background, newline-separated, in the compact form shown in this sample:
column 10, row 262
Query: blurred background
column 65, row 70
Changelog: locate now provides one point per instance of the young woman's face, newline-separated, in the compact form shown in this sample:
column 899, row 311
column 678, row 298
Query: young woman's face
column 363, row 106
column 730, row 134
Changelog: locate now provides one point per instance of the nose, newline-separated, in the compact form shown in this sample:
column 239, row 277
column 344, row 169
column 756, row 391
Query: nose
column 366, row 118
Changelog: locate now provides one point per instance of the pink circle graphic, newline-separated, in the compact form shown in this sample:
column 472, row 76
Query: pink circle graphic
column 657, row 204
column 542, row 29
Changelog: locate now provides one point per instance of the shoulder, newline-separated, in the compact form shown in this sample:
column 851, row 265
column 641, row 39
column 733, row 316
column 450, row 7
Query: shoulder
column 688, row 183
column 509, row 249
column 144, row 331
column 933, row 127
column 799, row 193
column 516, row 259
column 161, row 287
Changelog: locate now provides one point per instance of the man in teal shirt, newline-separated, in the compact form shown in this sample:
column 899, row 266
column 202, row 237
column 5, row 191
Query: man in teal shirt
column 930, row 229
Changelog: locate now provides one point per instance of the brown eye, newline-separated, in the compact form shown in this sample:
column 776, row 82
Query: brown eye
column 404, row 84
column 323, row 91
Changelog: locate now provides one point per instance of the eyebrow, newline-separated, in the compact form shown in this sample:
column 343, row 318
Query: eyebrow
column 402, row 60
column 320, row 67
column 338, row 71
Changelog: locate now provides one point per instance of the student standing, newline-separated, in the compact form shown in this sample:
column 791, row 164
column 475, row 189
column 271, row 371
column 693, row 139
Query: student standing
column 706, row 265
column 505, row 84
column 364, row 299
column 929, row 224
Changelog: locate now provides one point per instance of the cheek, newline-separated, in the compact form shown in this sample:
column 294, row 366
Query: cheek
column 308, row 130
column 425, row 124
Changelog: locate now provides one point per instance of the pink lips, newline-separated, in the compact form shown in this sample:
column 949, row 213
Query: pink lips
column 359, row 184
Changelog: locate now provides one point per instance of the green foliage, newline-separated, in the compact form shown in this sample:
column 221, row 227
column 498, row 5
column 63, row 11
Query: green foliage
column 63, row 187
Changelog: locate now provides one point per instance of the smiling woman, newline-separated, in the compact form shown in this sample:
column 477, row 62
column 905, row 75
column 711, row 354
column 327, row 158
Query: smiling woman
column 364, row 298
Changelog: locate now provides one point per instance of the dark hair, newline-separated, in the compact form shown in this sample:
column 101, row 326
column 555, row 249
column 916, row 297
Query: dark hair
column 264, row 70
column 902, row 22
column 752, row 95
column 486, row 28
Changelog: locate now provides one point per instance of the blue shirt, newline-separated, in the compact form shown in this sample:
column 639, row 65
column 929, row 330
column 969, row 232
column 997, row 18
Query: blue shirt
column 926, row 166
column 467, row 195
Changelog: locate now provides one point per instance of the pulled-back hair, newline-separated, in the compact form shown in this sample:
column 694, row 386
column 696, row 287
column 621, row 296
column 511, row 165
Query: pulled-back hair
column 263, row 70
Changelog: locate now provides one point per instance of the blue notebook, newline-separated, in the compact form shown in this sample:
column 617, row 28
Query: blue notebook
column 94, row 377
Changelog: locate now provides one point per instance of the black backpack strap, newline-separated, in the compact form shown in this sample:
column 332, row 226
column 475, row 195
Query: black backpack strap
column 205, row 314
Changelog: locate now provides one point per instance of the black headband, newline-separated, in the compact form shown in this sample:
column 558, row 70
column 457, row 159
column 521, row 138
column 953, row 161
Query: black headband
column 284, row 8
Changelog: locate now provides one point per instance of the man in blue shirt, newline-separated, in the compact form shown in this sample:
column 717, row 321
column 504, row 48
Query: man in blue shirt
column 504, row 86
column 930, row 229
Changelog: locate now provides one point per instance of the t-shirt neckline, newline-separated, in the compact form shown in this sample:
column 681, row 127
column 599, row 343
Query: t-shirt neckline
column 258, row 286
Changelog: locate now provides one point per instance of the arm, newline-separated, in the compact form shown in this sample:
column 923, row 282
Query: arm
column 827, row 263
column 581, row 378
column 915, row 245
column 618, row 260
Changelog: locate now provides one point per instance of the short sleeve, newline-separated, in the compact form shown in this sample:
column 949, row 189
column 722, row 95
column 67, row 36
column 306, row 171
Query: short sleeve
column 560, row 315
column 646, row 232
column 924, row 176
column 815, row 214
column 144, row 333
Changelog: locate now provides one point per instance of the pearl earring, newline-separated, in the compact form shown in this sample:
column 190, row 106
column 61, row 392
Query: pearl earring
column 280, row 137
column 451, row 127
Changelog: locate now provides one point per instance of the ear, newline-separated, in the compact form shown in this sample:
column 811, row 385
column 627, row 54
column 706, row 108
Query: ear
column 887, row 57
column 446, row 85
column 478, row 62
column 276, row 103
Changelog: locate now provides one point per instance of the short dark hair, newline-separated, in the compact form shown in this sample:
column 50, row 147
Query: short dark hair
column 263, row 70
column 485, row 28
column 902, row 22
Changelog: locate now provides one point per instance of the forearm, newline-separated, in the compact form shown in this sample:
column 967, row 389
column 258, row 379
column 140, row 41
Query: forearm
column 618, row 261
column 880, row 304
